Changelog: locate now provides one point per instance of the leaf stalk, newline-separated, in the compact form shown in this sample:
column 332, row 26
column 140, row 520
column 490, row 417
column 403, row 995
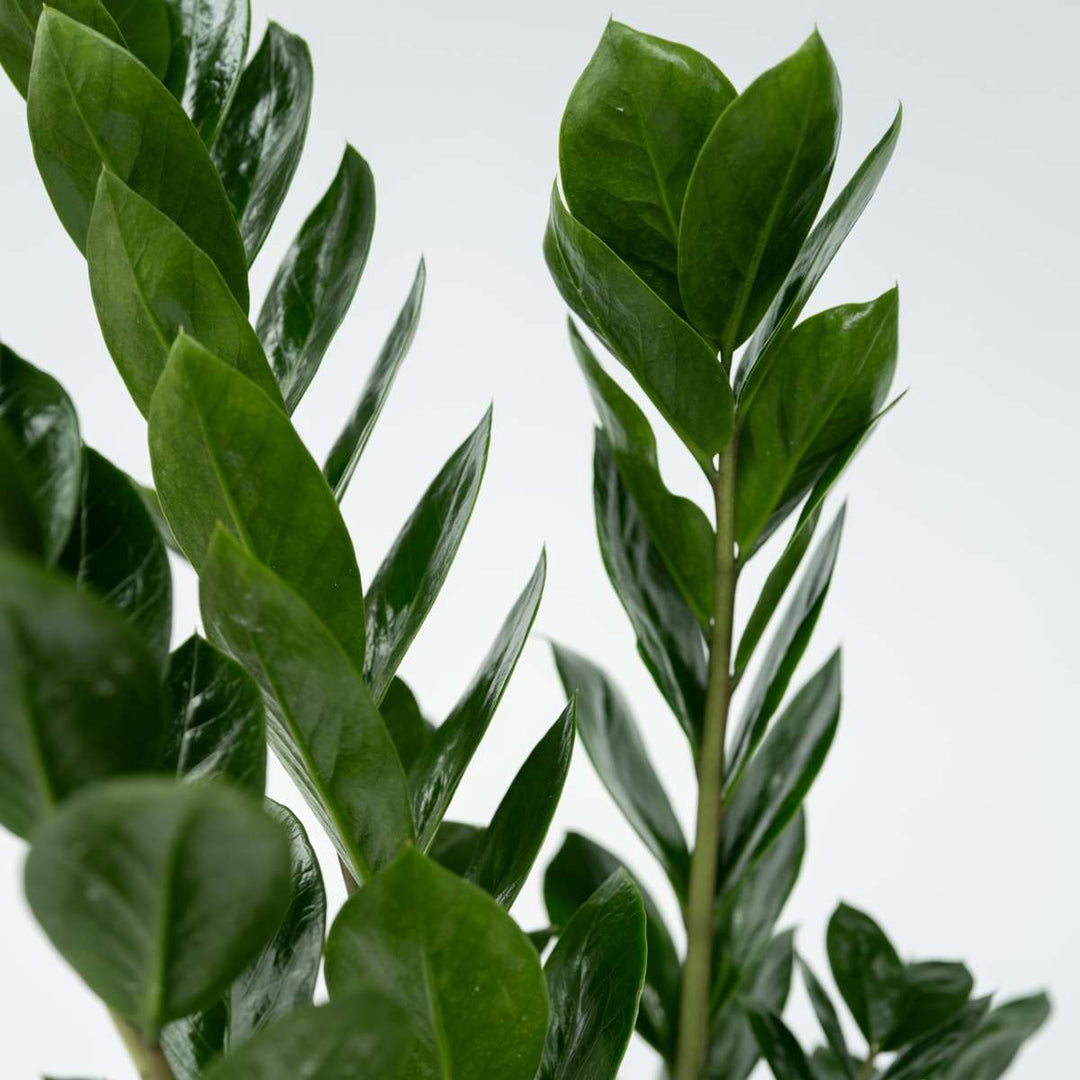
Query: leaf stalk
column 148, row 1058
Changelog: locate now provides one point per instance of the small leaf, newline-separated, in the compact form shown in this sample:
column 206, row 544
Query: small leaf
column 934, row 991
column 455, row 845
column 779, row 1047
column 828, row 1018
column 941, row 1047
column 459, row 963
column 406, row 723
column 157, row 893
column 146, row 29
column 262, row 137
column 315, row 284
column 595, row 976
column 1000, row 1038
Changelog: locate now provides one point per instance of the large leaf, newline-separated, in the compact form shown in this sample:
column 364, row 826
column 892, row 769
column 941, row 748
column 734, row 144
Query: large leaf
column 20, row 529
column 755, row 191
column 315, row 284
column 150, row 283
column 595, row 976
column 146, row 27
column 92, row 104
column 447, row 952
column 159, row 893
column 631, row 132
column 407, row 583
column 263, row 135
column 999, row 1039
column 223, row 452
column 614, row 745
column 436, row 773
column 408, row 726
column 778, row 1045
column 936, row 1051
column 673, row 365
column 324, row 726
column 79, row 697
column 115, row 550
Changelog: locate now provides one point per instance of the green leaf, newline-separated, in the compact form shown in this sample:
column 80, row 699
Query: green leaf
column 263, row 134
column 754, row 193
column 621, row 760
column 97, row 714
column 407, row 725
column 315, row 284
column 455, row 845
column 668, row 634
column 153, row 508
column 20, row 530
column 146, row 29
column 324, row 727
column 407, row 583
column 223, row 452
column 780, row 774
column 454, row 959
column 824, row 388
column 825, row 1065
column 941, row 1047
column 115, row 551
column 45, row 439
column 346, row 452
column 435, row 775
column 676, row 368
column 631, row 132
column 150, row 283
column 678, row 527
column 1000, row 1038
column 209, row 43
column 828, row 1018
column 158, row 893
column 92, row 104
column 217, row 720
column 934, row 991
column 779, row 1047
column 595, row 976
column 814, row 259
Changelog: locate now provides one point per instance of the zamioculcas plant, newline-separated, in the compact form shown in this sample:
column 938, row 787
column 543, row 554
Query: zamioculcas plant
column 687, row 238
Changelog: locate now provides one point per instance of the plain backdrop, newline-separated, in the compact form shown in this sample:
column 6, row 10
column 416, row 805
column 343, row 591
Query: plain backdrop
column 948, row 804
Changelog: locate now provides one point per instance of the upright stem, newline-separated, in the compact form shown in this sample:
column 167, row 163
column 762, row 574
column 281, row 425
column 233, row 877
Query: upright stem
column 149, row 1059
column 700, row 913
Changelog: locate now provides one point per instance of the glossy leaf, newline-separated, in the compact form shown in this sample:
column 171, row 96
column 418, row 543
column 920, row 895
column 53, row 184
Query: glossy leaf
column 828, row 1018
column 999, row 1039
column 97, row 713
column 223, row 452
column 115, row 551
column 346, row 452
column 325, row 727
column 754, row 193
column 456, row 845
column 631, row 132
column 407, row 725
column 454, row 959
column 621, row 760
column 595, row 976
column 407, row 583
column 217, row 720
column 941, row 1047
column 157, row 893
column 778, row 1046
column 153, row 508
column 20, row 529
column 150, row 283
column 146, row 28
column 934, row 991
column 261, row 140
column 669, row 636
column 435, row 775
column 92, row 104
column 315, row 284
column 673, row 365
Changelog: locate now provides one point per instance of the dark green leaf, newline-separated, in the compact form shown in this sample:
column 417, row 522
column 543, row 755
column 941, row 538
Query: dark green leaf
column 407, row 725
column 1000, row 1038
column 151, row 283
column 223, row 452
column 153, row 508
column 315, row 283
column 346, row 452
column 455, row 959
column 455, row 845
column 20, row 529
column 828, row 1018
column 98, row 712
column 146, row 29
column 91, row 103
column 941, row 1047
column 405, row 587
column 595, row 976
column 263, row 135
column 673, row 365
column 630, row 135
column 778, row 1046
column 158, row 893
column 755, row 191
column 435, row 775
column 934, row 991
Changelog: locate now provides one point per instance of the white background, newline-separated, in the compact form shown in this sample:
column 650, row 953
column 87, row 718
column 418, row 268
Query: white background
column 948, row 804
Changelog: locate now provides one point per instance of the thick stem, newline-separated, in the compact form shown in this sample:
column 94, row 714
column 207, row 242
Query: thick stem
column 700, row 913
column 149, row 1059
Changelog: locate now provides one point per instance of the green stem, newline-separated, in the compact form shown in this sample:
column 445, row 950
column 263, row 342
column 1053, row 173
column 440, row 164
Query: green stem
column 700, row 913
column 148, row 1058
column 867, row 1072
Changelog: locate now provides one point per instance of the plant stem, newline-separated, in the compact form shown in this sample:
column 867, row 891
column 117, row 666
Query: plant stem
column 867, row 1072
column 700, row 913
column 149, row 1059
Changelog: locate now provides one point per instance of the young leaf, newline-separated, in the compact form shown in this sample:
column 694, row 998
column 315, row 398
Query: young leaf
column 146, row 29
column 754, row 193
column 780, row 1048
column 262, row 137
column 631, row 132
column 941, row 1047
column 223, row 452
column 828, row 1018
column 92, row 104
column 315, row 284
column 407, row 725
column 999, row 1039
column 407, row 583
column 158, row 893
column 455, row 959
column 595, row 976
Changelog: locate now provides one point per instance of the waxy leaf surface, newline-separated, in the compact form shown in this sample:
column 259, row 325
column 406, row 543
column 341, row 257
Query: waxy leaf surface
column 146, row 29
column 941, row 1047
